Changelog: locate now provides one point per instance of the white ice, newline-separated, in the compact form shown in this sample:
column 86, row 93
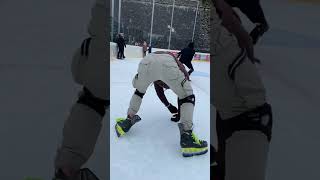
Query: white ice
column 151, row 149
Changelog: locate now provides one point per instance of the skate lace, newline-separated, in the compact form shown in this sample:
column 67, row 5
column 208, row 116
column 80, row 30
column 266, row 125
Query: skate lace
column 195, row 138
column 120, row 119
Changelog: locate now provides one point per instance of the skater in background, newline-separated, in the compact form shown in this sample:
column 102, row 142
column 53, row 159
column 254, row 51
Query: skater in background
column 144, row 48
column 186, row 56
column 83, row 125
column 253, row 10
column 118, row 45
column 243, row 115
column 163, row 66
column 150, row 49
column 121, row 45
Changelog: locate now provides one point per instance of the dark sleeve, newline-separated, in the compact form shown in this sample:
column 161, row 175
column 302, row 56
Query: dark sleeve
column 179, row 54
column 161, row 95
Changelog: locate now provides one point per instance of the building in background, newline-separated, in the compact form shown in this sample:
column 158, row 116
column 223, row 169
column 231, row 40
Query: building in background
column 167, row 24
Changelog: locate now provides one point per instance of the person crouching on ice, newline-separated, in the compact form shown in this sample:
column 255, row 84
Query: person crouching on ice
column 164, row 67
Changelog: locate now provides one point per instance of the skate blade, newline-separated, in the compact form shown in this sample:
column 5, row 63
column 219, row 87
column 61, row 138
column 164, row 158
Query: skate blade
column 119, row 131
column 194, row 153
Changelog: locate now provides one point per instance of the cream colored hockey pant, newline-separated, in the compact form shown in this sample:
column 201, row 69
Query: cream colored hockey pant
column 236, row 83
column 83, row 125
column 163, row 67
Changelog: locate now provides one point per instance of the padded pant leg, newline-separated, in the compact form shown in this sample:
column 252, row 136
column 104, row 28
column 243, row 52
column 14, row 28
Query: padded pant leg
column 175, row 79
column 80, row 134
column 246, row 154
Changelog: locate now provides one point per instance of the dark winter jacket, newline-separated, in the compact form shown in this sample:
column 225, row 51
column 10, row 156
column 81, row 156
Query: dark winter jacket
column 121, row 42
column 186, row 54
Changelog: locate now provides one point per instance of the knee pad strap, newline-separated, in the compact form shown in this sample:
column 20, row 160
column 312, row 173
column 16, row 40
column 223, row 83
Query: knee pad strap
column 139, row 93
column 190, row 99
column 97, row 104
column 259, row 119
column 85, row 47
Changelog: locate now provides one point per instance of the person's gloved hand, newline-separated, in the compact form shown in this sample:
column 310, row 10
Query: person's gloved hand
column 174, row 111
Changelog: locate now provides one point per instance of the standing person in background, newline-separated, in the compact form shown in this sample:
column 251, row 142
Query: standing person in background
column 118, row 45
column 150, row 49
column 253, row 10
column 186, row 56
column 144, row 48
column 121, row 45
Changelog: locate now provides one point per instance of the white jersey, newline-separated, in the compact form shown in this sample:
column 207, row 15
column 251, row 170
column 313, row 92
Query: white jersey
column 220, row 37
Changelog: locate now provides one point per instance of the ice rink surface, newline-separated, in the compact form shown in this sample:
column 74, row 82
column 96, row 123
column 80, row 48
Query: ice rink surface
column 151, row 149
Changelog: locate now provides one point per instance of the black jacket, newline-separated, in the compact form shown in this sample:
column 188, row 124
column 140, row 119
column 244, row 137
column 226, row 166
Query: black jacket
column 121, row 42
column 186, row 54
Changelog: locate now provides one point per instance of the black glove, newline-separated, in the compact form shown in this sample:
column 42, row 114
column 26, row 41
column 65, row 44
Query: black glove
column 175, row 117
column 175, row 114
column 258, row 31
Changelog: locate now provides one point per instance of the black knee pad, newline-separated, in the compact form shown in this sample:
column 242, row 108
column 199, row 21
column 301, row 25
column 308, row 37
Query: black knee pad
column 259, row 119
column 97, row 104
column 139, row 93
column 190, row 99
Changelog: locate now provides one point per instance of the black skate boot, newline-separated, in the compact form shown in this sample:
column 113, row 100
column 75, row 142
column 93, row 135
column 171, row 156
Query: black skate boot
column 59, row 175
column 213, row 161
column 190, row 144
column 216, row 170
column 87, row 174
column 83, row 174
column 213, row 156
column 124, row 125
column 258, row 31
